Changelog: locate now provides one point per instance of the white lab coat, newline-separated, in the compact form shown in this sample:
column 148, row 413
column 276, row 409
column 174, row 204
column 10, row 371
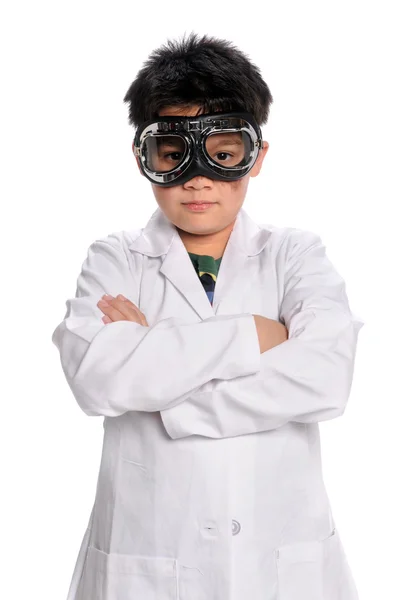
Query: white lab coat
column 210, row 484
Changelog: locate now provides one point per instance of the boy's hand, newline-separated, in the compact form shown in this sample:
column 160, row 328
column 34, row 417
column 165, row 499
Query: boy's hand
column 270, row 333
column 120, row 309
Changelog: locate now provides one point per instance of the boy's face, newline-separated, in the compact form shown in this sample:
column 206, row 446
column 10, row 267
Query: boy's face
column 227, row 196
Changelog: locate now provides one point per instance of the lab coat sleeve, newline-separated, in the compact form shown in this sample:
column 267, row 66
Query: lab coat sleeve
column 307, row 378
column 124, row 366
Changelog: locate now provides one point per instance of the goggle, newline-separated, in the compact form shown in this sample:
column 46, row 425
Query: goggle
column 222, row 146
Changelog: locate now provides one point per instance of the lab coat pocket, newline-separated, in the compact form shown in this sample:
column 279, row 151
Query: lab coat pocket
column 116, row 576
column 300, row 570
column 338, row 581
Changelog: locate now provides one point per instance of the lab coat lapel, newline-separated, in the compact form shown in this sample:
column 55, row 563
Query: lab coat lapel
column 160, row 237
column 178, row 268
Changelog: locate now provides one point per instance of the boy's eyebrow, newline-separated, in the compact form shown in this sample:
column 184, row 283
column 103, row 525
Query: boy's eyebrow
column 227, row 141
column 172, row 143
column 165, row 145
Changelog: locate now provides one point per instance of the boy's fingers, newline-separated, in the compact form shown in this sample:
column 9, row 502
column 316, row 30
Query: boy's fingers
column 112, row 312
column 122, row 310
column 130, row 306
column 120, row 315
column 129, row 310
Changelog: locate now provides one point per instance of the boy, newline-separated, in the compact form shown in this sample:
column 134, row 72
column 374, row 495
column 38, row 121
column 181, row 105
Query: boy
column 221, row 346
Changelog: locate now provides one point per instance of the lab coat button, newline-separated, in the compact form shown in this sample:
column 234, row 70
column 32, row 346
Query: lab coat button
column 235, row 527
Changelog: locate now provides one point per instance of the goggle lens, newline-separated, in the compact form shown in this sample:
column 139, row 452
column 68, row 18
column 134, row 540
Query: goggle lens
column 229, row 149
column 163, row 153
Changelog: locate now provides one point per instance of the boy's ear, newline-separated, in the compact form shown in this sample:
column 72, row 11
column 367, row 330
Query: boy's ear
column 261, row 155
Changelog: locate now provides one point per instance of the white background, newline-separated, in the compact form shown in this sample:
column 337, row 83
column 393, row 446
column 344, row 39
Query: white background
column 69, row 177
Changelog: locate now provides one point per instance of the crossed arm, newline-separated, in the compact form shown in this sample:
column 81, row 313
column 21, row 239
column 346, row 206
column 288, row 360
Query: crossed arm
column 233, row 389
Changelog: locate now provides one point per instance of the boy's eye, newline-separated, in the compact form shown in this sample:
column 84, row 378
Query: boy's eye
column 222, row 154
column 173, row 155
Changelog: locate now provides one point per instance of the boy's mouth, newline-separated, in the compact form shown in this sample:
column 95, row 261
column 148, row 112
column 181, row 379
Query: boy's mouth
column 199, row 202
column 198, row 206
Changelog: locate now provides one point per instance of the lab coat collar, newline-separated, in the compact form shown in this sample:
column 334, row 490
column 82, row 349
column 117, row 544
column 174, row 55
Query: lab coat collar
column 161, row 237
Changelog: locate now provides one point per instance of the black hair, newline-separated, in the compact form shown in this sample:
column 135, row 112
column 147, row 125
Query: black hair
column 209, row 72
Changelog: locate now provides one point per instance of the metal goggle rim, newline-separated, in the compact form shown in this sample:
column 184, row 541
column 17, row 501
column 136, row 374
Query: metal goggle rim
column 199, row 139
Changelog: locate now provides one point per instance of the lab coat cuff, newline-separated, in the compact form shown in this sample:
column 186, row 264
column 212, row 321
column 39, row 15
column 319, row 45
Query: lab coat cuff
column 250, row 346
column 244, row 357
